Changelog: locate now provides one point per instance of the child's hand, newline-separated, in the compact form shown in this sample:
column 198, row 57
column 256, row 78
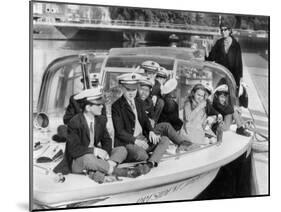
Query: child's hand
column 219, row 118
column 202, row 105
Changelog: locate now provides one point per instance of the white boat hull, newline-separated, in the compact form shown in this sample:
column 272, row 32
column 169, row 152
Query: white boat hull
column 178, row 177
column 182, row 190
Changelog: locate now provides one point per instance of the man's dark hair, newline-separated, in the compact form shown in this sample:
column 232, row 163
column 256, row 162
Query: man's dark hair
column 83, row 103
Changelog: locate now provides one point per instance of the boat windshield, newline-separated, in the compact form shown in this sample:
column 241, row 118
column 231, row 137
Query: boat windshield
column 62, row 80
column 130, row 61
column 190, row 73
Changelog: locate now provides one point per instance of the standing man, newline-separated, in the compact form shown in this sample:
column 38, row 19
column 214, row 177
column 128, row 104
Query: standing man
column 227, row 52
column 89, row 146
column 132, row 126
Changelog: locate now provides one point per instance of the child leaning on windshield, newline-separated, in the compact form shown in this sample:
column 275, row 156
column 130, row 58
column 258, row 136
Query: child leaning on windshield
column 199, row 115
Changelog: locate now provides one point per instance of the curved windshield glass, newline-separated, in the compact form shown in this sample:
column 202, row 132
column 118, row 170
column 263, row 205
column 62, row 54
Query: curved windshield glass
column 135, row 61
column 61, row 81
column 190, row 73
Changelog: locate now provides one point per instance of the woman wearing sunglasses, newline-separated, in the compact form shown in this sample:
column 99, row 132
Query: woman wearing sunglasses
column 227, row 52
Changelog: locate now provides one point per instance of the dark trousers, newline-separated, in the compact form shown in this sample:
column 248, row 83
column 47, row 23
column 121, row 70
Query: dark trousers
column 158, row 109
column 91, row 162
column 137, row 153
column 166, row 129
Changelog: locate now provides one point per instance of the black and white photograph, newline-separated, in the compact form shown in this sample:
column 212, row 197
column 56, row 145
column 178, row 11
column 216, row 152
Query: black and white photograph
column 138, row 105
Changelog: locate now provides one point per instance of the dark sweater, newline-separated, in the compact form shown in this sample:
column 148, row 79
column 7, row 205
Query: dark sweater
column 232, row 60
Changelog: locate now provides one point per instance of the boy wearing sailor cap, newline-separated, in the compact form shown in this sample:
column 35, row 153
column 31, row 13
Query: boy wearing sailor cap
column 132, row 126
column 88, row 142
column 151, row 69
column 74, row 107
column 170, row 112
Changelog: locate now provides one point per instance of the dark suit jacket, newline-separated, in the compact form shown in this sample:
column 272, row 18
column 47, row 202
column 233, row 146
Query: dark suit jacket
column 124, row 121
column 148, row 106
column 73, row 108
column 170, row 113
column 78, row 140
column 231, row 60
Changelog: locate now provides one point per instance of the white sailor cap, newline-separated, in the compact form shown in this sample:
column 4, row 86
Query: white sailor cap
column 150, row 66
column 94, row 95
column 169, row 86
column 94, row 78
column 129, row 80
column 222, row 89
column 162, row 72
column 145, row 81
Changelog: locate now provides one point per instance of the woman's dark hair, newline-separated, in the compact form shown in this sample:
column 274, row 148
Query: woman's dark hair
column 216, row 98
column 226, row 25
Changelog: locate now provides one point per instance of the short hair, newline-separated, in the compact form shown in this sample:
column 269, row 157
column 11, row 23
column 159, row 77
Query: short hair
column 227, row 25
column 83, row 103
column 216, row 97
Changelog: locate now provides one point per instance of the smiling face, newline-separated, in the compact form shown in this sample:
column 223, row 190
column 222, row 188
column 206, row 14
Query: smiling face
column 199, row 95
column 222, row 98
column 144, row 92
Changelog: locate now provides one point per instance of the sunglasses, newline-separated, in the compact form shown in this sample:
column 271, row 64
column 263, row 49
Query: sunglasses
column 224, row 29
column 130, row 89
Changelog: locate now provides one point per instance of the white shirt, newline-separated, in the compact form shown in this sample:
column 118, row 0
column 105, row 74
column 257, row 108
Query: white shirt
column 91, row 124
column 138, row 128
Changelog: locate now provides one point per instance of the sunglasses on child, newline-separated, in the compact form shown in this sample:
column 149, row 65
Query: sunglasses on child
column 224, row 29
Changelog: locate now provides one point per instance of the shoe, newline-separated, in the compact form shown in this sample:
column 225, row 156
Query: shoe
column 243, row 131
column 126, row 172
column 97, row 176
column 186, row 143
column 184, row 146
column 143, row 168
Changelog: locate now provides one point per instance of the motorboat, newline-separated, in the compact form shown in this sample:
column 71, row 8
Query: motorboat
column 181, row 175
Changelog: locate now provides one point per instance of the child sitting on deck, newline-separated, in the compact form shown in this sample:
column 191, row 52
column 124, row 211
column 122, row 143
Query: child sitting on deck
column 229, row 113
column 199, row 113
